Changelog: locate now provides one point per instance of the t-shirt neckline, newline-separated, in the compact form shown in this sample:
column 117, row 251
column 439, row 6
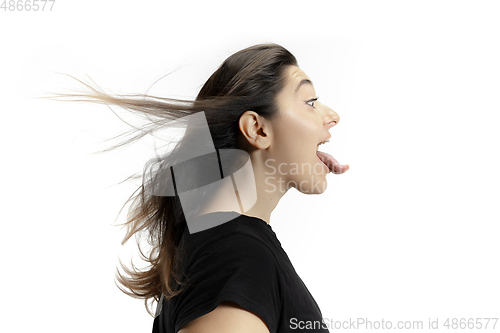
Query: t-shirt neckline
column 240, row 215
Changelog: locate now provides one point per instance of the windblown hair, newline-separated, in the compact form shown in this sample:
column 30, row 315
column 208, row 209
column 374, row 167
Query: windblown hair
column 248, row 80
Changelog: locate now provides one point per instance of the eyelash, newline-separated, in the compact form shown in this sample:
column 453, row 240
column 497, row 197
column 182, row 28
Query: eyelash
column 312, row 100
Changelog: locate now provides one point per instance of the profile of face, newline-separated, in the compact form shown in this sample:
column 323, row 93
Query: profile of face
column 302, row 123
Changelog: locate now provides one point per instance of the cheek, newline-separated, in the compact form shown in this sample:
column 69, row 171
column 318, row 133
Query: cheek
column 298, row 135
column 305, row 126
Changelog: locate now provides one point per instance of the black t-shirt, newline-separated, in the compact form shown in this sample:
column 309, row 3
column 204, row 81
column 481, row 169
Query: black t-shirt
column 240, row 261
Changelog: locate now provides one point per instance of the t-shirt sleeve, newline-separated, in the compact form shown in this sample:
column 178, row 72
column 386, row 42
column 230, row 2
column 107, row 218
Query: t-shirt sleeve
column 237, row 268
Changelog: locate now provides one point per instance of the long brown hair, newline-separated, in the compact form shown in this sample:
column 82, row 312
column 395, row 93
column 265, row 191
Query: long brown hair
column 248, row 80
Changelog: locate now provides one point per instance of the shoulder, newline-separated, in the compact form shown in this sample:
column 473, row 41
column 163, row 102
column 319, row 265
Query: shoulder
column 232, row 272
column 227, row 317
column 241, row 238
column 233, row 252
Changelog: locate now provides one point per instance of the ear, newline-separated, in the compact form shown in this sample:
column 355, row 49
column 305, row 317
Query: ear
column 255, row 129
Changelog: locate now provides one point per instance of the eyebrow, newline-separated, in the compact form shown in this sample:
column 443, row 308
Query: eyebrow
column 304, row 82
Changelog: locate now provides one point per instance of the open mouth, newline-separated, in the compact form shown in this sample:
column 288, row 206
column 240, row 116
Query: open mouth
column 330, row 163
column 324, row 157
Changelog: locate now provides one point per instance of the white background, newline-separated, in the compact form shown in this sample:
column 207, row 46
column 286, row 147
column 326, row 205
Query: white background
column 410, row 232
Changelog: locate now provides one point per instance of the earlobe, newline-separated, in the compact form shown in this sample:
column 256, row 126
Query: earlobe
column 253, row 129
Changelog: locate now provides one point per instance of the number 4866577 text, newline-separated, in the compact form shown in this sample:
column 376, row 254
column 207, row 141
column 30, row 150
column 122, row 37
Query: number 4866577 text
column 26, row 5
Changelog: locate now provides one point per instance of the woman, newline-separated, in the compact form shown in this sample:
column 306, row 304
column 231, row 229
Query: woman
column 231, row 275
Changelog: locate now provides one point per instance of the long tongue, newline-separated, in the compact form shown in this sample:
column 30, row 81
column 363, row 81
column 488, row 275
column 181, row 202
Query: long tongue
column 332, row 163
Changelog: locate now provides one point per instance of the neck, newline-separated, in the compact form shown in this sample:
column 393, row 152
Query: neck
column 257, row 193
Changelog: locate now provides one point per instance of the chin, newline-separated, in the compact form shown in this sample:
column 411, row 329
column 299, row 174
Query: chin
column 315, row 184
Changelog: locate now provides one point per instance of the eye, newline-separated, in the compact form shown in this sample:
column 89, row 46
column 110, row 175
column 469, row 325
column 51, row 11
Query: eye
column 312, row 100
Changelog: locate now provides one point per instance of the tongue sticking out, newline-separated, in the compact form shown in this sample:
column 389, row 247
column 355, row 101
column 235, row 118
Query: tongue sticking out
column 332, row 163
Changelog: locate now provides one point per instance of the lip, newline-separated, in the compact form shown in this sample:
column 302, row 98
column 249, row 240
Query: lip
column 323, row 141
column 326, row 138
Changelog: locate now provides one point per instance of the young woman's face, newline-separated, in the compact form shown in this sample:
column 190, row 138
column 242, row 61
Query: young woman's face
column 301, row 124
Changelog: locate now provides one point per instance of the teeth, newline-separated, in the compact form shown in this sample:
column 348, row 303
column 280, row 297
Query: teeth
column 327, row 140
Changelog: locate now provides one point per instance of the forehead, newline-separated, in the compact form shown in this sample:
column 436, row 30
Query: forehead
column 295, row 76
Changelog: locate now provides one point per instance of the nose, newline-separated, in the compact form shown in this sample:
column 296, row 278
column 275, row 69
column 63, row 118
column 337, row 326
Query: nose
column 331, row 118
